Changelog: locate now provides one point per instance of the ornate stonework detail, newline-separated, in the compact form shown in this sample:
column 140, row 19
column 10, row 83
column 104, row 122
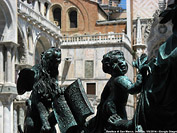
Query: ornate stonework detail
column 139, row 51
column 139, row 46
column 160, row 6
column 162, row 29
column 148, row 29
column 144, row 8
column 139, row 31
column 158, row 33
column 151, row 23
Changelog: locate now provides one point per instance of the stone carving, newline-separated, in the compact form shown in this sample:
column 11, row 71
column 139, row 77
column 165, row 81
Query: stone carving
column 151, row 24
column 148, row 29
column 158, row 33
column 162, row 29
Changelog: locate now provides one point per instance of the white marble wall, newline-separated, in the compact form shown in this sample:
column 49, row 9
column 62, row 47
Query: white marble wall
column 8, row 59
column 79, row 54
column 76, row 55
column 8, row 45
column 9, row 7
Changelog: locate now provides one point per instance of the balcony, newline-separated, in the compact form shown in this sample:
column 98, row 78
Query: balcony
column 112, row 8
column 99, row 39
column 35, row 18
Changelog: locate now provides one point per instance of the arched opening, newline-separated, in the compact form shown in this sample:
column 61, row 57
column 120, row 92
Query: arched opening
column 39, row 6
column 46, row 9
column 20, row 54
column 57, row 16
column 2, row 24
column 42, row 45
column 6, row 25
column 73, row 19
column 30, row 39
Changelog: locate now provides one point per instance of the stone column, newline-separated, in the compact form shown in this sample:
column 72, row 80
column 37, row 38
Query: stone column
column 19, row 113
column 8, row 90
column 1, row 117
column 9, row 85
column 1, row 65
column 21, row 116
column 13, row 64
column 7, row 118
column 139, row 46
column 129, row 19
column 7, row 102
column 8, row 68
column 15, row 129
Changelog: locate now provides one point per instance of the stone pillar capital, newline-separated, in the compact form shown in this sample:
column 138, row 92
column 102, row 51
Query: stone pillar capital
column 9, row 44
column 22, row 65
column 7, row 98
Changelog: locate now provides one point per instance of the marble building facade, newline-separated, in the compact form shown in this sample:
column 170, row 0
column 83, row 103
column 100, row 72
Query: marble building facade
column 29, row 27
column 29, row 30
column 24, row 33
column 84, row 45
column 148, row 34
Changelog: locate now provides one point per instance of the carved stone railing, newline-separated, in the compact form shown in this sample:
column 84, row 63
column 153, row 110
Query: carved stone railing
column 113, row 38
column 41, row 22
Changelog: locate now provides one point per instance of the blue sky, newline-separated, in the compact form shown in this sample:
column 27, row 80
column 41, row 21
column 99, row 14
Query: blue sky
column 123, row 4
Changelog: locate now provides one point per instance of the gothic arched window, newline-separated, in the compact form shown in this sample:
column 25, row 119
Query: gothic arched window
column 57, row 16
column 73, row 19
column 46, row 9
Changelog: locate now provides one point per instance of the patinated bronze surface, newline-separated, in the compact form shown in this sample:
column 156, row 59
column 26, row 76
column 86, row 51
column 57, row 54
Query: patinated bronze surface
column 115, row 94
column 157, row 108
column 156, row 82
column 72, row 108
column 42, row 80
column 50, row 104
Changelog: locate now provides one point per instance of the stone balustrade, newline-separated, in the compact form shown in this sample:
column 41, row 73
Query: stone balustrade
column 40, row 21
column 112, row 38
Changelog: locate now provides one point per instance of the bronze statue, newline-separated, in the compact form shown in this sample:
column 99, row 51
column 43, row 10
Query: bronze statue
column 157, row 108
column 156, row 82
column 50, row 104
column 42, row 79
column 115, row 94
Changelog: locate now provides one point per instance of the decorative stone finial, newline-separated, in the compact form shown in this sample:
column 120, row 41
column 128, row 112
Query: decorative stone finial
column 139, row 32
